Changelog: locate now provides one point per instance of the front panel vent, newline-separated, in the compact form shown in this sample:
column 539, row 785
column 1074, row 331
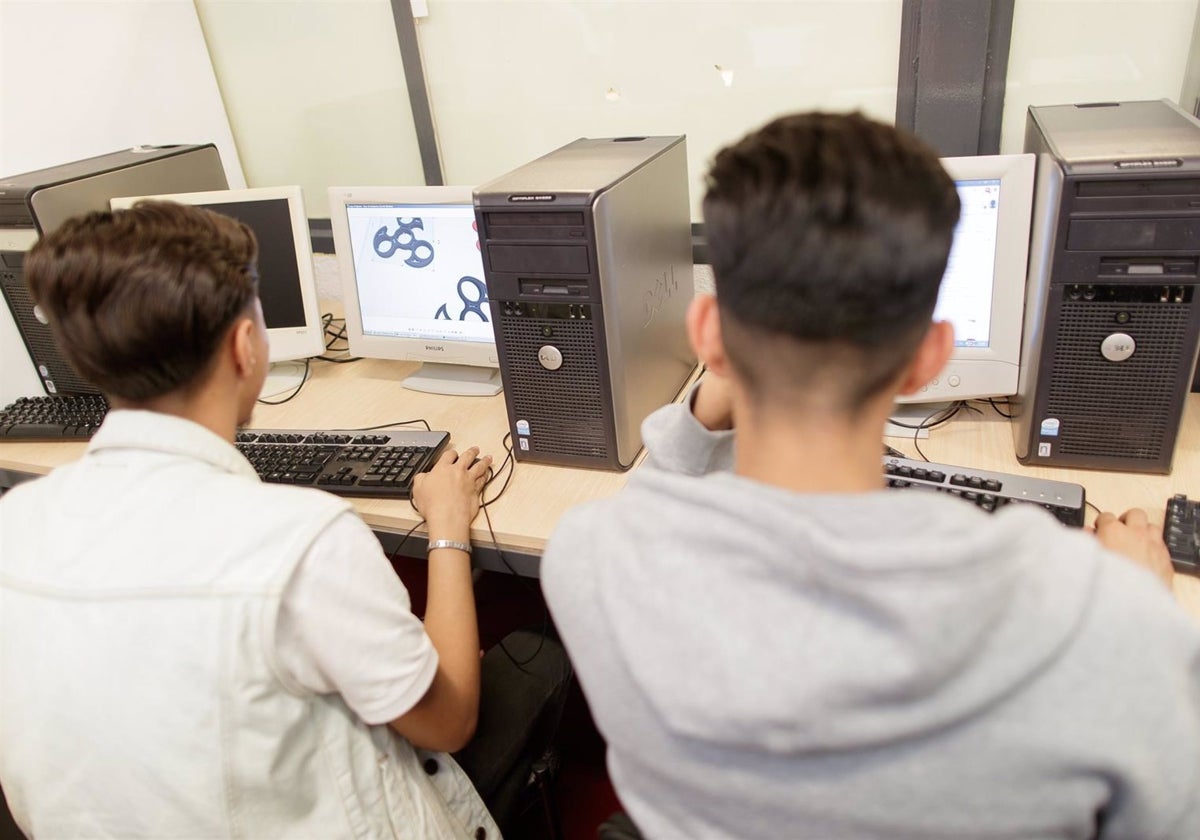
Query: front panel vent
column 1117, row 409
column 565, row 408
column 59, row 376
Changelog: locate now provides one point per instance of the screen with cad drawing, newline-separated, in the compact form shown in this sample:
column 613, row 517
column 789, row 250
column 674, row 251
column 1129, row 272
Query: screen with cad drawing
column 418, row 271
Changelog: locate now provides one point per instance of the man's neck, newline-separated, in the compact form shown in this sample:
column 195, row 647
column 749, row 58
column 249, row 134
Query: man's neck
column 812, row 452
column 200, row 406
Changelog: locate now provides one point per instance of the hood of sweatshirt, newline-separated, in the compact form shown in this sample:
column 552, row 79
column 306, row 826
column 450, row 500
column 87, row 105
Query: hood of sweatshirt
column 754, row 616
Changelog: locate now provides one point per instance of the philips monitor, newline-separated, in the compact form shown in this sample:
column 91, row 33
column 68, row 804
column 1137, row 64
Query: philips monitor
column 413, row 285
column 286, row 285
column 983, row 290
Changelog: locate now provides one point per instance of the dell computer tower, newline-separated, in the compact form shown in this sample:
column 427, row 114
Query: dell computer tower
column 36, row 203
column 1112, row 315
column 588, row 259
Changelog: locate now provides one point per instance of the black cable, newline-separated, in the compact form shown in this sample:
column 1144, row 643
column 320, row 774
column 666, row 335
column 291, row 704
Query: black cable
column 518, row 664
column 420, row 420
column 344, row 361
column 929, row 423
column 996, row 406
column 1093, row 507
column 510, row 462
column 292, row 395
column 396, row 551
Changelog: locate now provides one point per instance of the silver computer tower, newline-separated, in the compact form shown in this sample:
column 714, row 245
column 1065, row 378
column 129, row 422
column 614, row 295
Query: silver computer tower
column 1112, row 315
column 588, row 260
column 36, row 203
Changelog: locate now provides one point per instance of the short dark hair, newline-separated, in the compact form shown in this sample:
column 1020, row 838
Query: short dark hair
column 828, row 235
column 139, row 299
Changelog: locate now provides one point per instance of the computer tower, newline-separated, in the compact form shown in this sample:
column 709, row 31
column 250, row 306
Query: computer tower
column 1112, row 318
column 38, row 202
column 588, row 261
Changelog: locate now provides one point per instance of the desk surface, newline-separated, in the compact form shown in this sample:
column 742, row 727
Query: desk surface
column 367, row 393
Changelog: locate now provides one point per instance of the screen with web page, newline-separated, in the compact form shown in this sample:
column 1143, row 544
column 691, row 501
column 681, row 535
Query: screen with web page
column 965, row 298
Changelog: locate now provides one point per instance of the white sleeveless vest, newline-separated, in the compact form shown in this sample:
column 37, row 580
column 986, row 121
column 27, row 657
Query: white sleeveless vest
column 139, row 691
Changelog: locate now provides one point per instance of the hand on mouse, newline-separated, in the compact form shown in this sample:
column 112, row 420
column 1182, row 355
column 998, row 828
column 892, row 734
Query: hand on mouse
column 1133, row 536
column 448, row 495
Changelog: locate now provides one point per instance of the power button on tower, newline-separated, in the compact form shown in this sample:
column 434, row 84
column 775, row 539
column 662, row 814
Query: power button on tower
column 1117, row 347
column 550, row 357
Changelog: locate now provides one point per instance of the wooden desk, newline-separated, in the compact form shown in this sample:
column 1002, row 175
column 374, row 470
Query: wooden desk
column 367, row 393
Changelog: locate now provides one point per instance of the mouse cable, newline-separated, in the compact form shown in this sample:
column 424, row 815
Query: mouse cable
column 510, row 462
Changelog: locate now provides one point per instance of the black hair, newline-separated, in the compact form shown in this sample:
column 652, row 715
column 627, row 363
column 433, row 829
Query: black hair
column 829, row 234
column 139, row 299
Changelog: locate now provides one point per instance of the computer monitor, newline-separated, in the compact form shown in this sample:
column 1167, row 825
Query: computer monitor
column 983, row 289
column 286, row 285
column 413, row 285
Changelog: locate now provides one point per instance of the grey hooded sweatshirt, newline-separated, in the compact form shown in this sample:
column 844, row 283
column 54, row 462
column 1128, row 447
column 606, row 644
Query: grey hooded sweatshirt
column 895, row 664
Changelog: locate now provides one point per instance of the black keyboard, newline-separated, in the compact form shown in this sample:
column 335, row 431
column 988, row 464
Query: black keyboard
column 367, row 464
column 989, row 490
column 53, row 418
column 1181, row 532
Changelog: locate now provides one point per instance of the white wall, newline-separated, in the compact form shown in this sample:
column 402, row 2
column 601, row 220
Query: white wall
column 315, row 92
column 510, row 81
column 79, row 79
column 1070, row 51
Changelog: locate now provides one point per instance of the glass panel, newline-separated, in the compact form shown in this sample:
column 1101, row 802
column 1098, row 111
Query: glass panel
column 510, row 81
column 315, row 93
column 1066, row 51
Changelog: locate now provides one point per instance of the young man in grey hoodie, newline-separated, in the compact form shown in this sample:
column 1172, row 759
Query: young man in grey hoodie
column 774, row 645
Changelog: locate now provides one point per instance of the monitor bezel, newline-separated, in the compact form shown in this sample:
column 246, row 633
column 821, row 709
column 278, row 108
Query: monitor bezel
column 438, row 351
column 286, row 343
column 992, row 371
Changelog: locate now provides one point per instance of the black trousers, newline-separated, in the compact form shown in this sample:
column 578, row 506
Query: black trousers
column 523, row 686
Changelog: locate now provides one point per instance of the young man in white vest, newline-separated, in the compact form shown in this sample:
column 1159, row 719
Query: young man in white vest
column 775, row 645
column 186, row 651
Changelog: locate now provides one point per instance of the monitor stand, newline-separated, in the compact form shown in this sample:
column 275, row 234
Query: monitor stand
column 912, row 414
column 283, row 378
column 455, row 380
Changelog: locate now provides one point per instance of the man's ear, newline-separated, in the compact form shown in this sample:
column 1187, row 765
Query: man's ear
column 704, row 333
column 931, row 356
column 243, row 349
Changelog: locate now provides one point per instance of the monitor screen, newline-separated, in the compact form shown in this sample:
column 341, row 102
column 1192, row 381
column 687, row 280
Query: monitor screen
column 983, row 289
column 965, row 298
column 412, row 277
column 286, row 285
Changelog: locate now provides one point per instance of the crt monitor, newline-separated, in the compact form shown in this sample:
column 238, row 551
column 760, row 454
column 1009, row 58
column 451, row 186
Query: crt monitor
column 286, row 285
column 413, row 285
column 983, row 289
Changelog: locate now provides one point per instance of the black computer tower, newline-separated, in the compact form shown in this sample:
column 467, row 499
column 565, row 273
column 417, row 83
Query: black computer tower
column 588, row 261
column 38, row 202
column 1112, row 315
